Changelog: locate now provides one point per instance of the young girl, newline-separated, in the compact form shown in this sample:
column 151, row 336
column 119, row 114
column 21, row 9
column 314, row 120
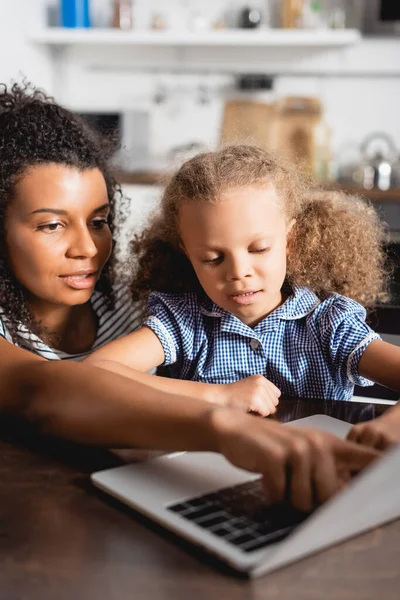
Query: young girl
column 255, row 271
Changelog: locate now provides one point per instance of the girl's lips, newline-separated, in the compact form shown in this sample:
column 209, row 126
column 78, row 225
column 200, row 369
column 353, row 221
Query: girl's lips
column 80, row 282
column 245, row 298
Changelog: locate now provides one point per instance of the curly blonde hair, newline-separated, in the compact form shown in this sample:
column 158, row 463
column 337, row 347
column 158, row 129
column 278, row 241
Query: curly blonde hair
column 336, row 244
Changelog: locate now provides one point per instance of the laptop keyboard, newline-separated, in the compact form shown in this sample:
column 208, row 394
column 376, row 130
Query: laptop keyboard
column 240, row 516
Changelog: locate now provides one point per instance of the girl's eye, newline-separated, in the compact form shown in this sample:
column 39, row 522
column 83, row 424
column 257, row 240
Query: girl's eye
column 212, row 261
column 99, row 223
column 259, row 250
column 49, row 227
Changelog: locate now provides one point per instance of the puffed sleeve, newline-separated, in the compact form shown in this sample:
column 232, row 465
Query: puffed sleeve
column 340, row 326
column 172, row 317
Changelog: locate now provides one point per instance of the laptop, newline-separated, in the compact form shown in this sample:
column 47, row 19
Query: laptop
column 206, row 500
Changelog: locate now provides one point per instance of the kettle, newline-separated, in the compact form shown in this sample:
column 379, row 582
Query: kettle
column 377, row 166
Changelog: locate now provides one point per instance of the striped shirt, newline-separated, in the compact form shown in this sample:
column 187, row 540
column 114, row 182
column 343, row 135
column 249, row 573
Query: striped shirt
column 307, row 347
column 112, row 324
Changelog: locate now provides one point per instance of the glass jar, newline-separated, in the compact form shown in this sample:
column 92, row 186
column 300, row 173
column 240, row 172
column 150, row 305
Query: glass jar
column 123, row 14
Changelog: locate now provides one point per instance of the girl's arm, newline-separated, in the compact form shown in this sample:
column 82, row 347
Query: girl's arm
column 84, row 404
column 380, row 433
column 142, row 351
column 380, row 363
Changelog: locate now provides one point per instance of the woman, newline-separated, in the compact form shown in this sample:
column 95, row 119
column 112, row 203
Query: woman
column 57, row 203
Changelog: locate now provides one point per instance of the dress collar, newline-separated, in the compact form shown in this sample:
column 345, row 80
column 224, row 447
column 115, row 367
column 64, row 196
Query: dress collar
column 300, row 303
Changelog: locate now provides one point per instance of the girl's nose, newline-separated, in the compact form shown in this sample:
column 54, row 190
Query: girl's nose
column 238, row 268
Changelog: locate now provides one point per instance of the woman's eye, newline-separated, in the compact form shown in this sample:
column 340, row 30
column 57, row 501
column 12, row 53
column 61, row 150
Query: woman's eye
column 99, row 223
column 50, row 227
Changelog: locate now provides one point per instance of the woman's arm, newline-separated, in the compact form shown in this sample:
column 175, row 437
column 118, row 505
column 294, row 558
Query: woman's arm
column 85, row 404
column 142, row 351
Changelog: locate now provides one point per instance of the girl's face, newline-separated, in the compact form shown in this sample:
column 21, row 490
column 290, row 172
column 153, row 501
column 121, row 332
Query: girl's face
column 57, row 236
column 238, row 250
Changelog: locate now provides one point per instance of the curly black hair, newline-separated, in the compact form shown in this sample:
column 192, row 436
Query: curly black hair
column 35, row 130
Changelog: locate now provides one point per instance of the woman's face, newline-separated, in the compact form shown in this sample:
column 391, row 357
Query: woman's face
column 57, row 236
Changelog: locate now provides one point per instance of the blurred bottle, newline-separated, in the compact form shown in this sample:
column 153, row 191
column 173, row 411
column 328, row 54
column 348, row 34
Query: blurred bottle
column 101, row 13
column 158, row 22
column 313, row 15
column 122, row 14
column 322, row 167
column 300, row 132
column 337, row 17
column 291, row 13
column 377, row 161
column 75, row 13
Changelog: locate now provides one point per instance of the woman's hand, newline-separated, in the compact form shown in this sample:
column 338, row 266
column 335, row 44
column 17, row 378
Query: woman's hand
column 253, row 394
column 303, row 466
column 381, row 433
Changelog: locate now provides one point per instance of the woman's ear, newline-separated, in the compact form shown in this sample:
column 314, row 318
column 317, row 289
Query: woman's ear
column 182, row 248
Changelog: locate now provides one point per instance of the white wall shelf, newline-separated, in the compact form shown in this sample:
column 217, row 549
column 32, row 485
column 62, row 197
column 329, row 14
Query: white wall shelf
column 226, row 38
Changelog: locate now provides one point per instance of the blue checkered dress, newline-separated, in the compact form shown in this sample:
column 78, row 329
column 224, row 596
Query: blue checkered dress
column 306, row 347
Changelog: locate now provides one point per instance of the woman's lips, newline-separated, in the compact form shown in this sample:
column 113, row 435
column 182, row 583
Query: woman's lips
column 80, row 281
column 245, row 298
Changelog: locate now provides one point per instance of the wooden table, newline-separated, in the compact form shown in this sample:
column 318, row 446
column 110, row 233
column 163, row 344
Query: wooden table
column 62, row 539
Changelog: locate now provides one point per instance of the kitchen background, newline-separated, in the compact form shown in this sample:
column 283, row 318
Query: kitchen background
column 194, row 88
column 316, row 80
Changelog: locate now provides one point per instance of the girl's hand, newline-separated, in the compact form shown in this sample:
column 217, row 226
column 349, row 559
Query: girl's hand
column 253, row 394
column 380, row 433
column 303, row 466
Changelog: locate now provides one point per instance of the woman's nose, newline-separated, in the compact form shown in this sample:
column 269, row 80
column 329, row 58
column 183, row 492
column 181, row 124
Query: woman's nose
column 82, row 244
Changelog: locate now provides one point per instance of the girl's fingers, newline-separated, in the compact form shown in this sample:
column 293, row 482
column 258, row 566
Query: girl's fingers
column 271, row 397
column 379, row 433
column 264, row 408
column 265, row 405
column 272, row 402
column 259, row 407
column 275, row 391
column 275, row 400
